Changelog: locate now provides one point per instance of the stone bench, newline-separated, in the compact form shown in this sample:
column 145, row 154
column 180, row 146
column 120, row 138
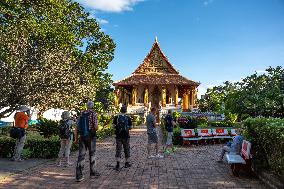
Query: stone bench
column 242, row 161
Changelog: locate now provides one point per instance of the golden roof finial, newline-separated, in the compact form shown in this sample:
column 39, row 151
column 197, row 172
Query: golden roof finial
column 156, row 39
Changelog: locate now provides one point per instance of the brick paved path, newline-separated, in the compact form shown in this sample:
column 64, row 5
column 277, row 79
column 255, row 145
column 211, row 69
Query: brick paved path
column 190, row 167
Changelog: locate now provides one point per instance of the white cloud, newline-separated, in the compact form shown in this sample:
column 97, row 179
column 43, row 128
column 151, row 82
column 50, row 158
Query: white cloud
column 110, row 5
column 261, row 72
column 102, row 21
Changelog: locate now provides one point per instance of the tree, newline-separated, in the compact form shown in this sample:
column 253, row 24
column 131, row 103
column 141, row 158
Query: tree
column 255, row 95
column 52, row 54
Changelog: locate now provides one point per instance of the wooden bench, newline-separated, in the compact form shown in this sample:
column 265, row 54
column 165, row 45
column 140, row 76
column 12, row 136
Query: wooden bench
column 189, row 135
column 242, row 161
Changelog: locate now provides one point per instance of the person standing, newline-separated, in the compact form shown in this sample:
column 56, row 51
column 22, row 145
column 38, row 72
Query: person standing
column 122, row 123
column 152, row 134
column 66, row 128
column 21, row 121
column 169, row 125
column 86, row 128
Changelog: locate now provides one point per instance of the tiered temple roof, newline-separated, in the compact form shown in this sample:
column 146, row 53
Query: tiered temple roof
column 156, row 69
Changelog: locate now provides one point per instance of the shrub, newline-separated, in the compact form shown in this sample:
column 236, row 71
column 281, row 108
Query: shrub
column 47, row 127
column 136, row 120
column 105, row 119
column 177, row 140
column 182, row 121
column 176, row 115
column 267, row 138
column 105, row 131
column 35, row 147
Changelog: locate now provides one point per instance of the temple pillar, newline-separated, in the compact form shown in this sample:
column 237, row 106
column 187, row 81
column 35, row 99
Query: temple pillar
column 134, row 95
column 176, row 96
column 164, row 95
column 185, row 99
column 146, row 96
column 193, row 97
column 116, row 97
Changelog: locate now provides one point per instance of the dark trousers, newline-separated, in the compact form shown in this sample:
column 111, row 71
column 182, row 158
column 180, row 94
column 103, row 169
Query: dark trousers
column 86, row 143
column 125, row 143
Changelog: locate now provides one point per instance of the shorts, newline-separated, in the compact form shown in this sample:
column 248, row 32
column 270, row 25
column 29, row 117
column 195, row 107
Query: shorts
column 170, row 138
column 152, row 138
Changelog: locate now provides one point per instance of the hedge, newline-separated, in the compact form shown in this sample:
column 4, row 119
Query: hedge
column 267, row 138
column 37, row 146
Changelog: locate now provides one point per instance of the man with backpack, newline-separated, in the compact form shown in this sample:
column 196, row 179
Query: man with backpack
column 86, row 128
column 122, row 123
column 169, row 125
column 66, row 127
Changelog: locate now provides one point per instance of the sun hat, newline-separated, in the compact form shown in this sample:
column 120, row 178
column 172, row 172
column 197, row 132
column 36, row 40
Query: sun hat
column 24, row 108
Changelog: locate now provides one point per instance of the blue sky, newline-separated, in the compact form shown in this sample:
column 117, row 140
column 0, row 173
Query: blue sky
column 210, row 41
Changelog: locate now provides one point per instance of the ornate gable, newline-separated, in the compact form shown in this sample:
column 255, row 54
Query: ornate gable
column 156, row 62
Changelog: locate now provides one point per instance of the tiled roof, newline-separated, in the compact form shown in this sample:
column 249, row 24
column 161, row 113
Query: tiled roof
column 160, row 79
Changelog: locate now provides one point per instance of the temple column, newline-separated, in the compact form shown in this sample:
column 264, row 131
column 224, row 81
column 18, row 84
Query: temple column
column 185, row 100
column 134, row 95
column 193, row 97
column 164, row 95
column 146, row 96
column 116, row 97
column 176, row 96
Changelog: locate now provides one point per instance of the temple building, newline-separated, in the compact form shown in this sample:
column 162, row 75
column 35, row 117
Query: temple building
column 156, row 83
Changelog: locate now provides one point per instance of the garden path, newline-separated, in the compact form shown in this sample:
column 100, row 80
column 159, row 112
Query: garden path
column 190, row 167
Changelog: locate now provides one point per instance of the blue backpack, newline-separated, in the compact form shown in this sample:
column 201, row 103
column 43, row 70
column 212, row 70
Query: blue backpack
column 84, row 128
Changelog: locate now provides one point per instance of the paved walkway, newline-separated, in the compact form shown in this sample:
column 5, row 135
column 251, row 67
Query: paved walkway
column 190, row 167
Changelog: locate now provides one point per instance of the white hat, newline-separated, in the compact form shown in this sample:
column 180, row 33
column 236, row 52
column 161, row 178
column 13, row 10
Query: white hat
column 23, row 108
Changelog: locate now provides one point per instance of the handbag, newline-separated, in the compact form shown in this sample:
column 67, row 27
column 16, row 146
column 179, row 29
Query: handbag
column 17, row 132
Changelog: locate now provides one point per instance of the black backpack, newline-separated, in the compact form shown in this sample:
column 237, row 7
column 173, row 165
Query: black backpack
column 168, row 121
column 122, row 130
column 84, row 127
column 64, row 130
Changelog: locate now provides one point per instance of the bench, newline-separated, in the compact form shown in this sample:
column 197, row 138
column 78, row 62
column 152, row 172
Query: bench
column 189, row 135
column 238, row 162
column 205, row 134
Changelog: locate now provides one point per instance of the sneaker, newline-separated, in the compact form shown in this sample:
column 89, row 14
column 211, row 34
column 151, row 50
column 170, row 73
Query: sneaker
column 167, row 152
column 117, row 168
column 151, row 156
column 20, row 160
column 127, row 164
column 159, row 156
column 95, row 174
column 12, row 159
column 79, row 179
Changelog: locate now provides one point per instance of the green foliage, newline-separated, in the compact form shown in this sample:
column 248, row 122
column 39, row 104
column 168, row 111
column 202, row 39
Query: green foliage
column 177, row 140
column 136, row 120
column 47, row 127
column 53, row 54
column 35, row 147
column 105, row 131
column 255, row 95
column 176, row 115
column 105, row 119
column 220, row 124
column 267, row 137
